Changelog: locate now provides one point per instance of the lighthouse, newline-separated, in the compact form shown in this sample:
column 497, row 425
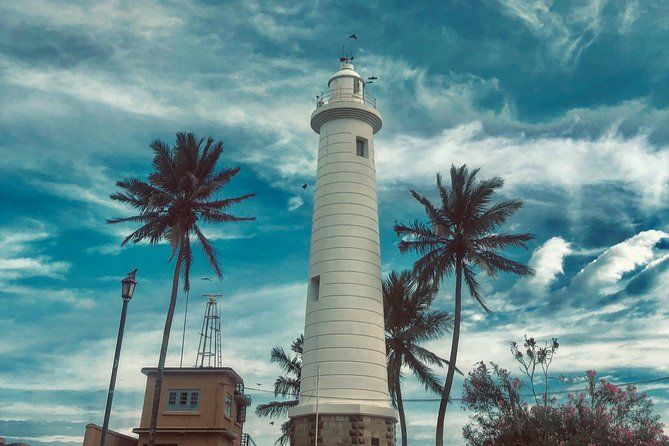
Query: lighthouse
column 344, row 390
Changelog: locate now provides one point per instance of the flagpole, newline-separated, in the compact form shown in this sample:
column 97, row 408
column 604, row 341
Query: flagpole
column 318, row 378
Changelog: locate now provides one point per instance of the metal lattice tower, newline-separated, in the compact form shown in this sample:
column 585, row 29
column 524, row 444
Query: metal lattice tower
column 209, row 350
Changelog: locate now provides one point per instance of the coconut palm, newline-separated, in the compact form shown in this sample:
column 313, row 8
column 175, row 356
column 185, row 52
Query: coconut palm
column 461, row 239
column 179, row 193
column 410, row 322
column 287, row 385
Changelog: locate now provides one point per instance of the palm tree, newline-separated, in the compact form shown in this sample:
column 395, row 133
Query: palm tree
column 178, row 194
column 287, row 385
column 409, row 322
column 461, row 239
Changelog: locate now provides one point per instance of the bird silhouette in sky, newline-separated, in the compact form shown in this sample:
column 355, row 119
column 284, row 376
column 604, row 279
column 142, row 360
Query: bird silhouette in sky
column 372, row 78
column 304, row 186
column 206, row 278
column 353, row 36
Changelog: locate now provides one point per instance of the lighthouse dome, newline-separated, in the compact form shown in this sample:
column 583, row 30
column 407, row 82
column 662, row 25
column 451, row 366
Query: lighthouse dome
column 345, row 70
column 347, row 81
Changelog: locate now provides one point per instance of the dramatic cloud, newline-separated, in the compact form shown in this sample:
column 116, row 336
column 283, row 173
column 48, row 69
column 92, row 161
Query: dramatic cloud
column 545, row 161
column 547, row 261
column 567, row 102
column 603, row 275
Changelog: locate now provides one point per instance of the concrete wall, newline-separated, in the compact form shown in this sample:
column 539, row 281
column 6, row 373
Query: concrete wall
column 94, row 432
column 211, row 414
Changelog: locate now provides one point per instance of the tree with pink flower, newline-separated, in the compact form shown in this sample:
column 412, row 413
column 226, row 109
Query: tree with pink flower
column 603, row 414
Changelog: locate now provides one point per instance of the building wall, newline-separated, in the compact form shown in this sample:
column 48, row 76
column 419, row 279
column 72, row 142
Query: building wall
column 175, row 439
column 213, row 389
column 94, row 433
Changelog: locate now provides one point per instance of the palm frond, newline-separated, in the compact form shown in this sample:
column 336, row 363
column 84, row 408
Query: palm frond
column 279, row 356
column 216, row 182
column 501, row 241
column 494, row 217
column 424, row 374
column 209, row 251
column 275, row 409
column 500, row 263
column 213, row 216
column 222, row 204
column 473, row 286
column 285, row 386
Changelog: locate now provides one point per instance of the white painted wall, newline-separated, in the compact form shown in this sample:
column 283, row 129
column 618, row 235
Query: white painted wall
column 344, row 333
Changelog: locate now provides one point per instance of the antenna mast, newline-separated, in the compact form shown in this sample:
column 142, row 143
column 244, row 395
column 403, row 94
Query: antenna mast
column 209, row 349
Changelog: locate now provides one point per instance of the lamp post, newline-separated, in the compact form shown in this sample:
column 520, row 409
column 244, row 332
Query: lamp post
column 128, row 285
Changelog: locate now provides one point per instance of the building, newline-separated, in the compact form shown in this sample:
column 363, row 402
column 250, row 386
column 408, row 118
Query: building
column 94, row 433
column 344, row 391
column 198, row 406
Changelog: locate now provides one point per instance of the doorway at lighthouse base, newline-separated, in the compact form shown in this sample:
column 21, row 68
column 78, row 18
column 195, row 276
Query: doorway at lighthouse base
column 342, row 430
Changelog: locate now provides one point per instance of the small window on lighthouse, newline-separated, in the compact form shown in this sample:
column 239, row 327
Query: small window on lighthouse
column 356, row 86
column 361, row 147
column 314, row 287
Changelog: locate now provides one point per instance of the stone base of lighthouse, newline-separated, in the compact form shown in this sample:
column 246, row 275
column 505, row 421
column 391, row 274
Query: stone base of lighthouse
column 342, row 430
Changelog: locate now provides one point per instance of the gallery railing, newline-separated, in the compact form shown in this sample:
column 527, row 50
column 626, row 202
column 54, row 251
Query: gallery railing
column 345, row 95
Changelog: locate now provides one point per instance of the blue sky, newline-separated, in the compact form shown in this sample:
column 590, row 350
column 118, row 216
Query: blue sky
column 567, row 101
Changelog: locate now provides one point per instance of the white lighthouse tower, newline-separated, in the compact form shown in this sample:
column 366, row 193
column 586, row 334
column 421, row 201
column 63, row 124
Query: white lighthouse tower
column 344, row 389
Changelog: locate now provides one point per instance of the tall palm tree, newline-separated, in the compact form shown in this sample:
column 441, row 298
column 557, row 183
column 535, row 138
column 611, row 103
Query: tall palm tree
column 409, row 322
column 178, row 194
column 287, row 385
column 461, row 238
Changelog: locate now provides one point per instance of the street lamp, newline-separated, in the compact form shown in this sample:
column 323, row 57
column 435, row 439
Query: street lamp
column 128, row 285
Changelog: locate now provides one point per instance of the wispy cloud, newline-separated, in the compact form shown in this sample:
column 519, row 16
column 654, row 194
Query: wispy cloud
column 15, row 245
column 295, row 203
column 547, row 262
column 604, row 274
column 523, row 161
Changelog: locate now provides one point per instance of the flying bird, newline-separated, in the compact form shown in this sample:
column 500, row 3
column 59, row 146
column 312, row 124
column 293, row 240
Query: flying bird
column 272, row 423
column 206, row 278
column 258, row 384
column 304, row 186
column 369, row 82
column 353, row 36
column 372, row 78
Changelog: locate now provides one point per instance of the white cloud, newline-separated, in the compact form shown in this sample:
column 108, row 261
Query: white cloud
column 41, row 266
column 565, row 35
column 295, row 203
column 604, row 274
column 547, row 261
column 146, row 19
column 536, row 161
column 16, row 243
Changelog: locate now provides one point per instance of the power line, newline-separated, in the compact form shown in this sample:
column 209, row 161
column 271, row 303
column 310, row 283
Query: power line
column 426, row 400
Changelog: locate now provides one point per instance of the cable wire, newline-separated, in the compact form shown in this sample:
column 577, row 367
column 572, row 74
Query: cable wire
column 425, row 400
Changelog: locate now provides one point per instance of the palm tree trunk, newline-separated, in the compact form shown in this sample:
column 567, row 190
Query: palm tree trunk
column 400, row 409
column 163, row 350
column 454, row 354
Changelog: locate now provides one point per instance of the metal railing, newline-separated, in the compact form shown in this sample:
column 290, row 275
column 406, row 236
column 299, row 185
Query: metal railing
column 345, row 95
column 247, row 440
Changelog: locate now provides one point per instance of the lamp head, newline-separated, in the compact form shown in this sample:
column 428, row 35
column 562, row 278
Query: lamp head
column 128, row 285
